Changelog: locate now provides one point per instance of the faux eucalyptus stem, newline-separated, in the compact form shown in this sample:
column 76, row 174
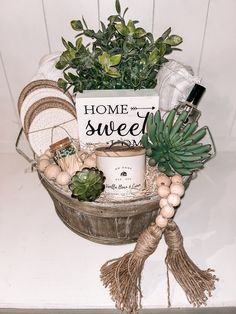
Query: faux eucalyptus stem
column 120, row 55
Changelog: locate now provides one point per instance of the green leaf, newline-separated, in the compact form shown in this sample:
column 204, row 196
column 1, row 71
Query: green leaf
column 76, row 25
column 72, row 76
column 103, row 26
column 126, row 9
column 139, row 32
column 131, row 27
column 78, row 42
column 173, row 40
column 122, row 29
column 63, row 61
column 168, row 49
column 89, row 33
column 115, row 59
column 113, row 72
column 113, row 19
column 166, row 33
column 72, row 53
column 118, row 7
column 62, row 83
column 104, row 59
column 85, row 24
column 153, row 57
column 150, row 37
column 60, row 65
column 71, row 46
column 66, row 76
column 161, row 48
column 65, row 44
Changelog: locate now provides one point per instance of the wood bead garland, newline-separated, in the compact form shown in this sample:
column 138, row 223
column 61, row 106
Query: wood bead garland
column 170, row 198
column 123, row 275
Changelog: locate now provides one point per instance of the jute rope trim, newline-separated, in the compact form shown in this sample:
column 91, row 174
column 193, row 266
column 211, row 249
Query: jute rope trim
column 44, row 104
column 39, row 84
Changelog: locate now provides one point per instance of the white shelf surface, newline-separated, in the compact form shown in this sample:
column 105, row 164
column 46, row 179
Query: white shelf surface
column 45, row 265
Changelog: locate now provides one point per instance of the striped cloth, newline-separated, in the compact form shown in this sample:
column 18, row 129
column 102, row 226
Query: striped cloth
column 174, row 82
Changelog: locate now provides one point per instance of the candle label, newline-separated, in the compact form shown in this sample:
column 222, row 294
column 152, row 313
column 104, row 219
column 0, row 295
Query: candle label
column 124, row 175
column 111, row 115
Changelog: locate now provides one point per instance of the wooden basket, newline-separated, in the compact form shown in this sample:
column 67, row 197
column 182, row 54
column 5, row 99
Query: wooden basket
column 113, row 222
column 106, row 223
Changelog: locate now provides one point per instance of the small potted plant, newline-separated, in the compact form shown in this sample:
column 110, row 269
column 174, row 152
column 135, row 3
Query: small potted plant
column 121, row 56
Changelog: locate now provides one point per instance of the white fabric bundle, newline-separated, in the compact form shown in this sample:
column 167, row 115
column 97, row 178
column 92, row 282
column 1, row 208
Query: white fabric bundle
column 47, row 70
column 174, row 83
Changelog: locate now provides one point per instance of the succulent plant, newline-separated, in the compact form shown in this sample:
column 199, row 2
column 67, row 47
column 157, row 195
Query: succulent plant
column 87, row 184
column 122, row 56
column 173, row 145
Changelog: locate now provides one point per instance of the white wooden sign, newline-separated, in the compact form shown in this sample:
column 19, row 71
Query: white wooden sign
column 105, row 116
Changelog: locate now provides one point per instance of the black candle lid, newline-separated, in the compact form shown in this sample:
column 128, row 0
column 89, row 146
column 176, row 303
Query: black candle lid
column 196, row 94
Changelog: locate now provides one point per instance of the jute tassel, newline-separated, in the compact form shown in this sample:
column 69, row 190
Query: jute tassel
column 123, row 275
column 195, row 282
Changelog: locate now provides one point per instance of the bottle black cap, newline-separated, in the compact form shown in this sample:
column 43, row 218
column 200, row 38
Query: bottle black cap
column 196, row 94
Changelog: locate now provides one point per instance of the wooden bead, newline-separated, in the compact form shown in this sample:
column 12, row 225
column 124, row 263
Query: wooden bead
column 161, row 221
column 163, row 202
column 162, row 179
column 163, row 191
column 52, row 171
column 177, row 179
column 167, row 211
column 44, row 156
column 173, row 199
column 42, row 164
column 177, row 188
column 63, row 178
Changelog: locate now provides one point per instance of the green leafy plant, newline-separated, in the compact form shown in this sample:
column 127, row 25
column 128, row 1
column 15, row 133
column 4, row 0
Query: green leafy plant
column 173, row 145
column 120, row 55
column 87, row 184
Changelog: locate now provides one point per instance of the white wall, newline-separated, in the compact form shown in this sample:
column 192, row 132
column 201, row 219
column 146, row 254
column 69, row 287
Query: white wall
column 30, row 29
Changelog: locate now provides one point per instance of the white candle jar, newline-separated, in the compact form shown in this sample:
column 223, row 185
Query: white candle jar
column 124, row 168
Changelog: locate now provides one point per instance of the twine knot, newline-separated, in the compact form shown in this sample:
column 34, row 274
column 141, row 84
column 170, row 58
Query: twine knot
column 173, row 236
column 148, row 241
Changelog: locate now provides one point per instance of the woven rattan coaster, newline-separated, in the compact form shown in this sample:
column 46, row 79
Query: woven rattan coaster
column 48, row 120
column 38, row 94
column 34, row 85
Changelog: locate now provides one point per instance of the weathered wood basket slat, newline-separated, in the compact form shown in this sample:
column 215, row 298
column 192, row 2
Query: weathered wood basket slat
column 106, row 223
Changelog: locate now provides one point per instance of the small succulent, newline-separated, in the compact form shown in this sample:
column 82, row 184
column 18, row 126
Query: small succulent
column 173, row 145
column 121, row 55
column 87, row 184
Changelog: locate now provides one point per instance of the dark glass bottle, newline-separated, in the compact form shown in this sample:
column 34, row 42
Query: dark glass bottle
column 191, row 103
